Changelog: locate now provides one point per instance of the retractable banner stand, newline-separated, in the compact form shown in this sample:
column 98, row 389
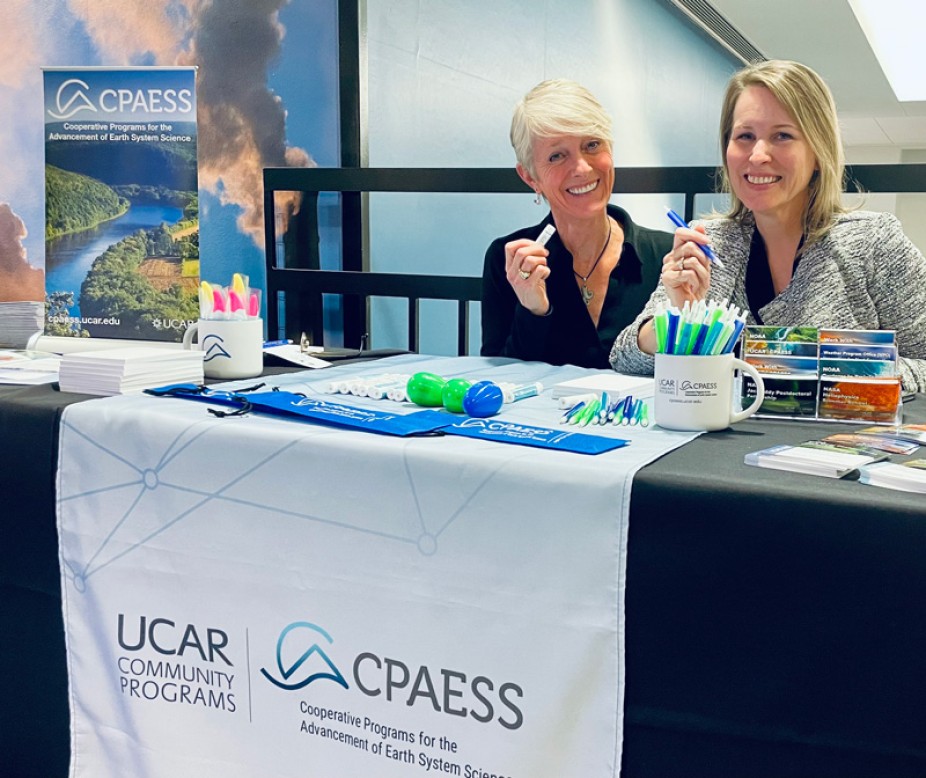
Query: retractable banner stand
column 121, row 206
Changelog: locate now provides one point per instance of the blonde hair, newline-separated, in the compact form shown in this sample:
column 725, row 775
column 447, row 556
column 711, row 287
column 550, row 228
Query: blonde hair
column 556, row 107
column 807, row 98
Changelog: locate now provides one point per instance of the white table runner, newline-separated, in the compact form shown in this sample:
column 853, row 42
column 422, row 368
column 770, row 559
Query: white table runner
column 261, row 597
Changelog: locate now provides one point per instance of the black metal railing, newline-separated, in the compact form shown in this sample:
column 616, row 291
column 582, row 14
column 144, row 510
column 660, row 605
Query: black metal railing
column 295, row 282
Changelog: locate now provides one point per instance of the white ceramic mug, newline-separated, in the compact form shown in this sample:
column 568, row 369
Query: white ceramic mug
column 696, row 392
column 234, row 348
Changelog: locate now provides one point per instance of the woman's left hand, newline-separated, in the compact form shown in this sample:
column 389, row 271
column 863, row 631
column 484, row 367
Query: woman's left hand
column 686, row 270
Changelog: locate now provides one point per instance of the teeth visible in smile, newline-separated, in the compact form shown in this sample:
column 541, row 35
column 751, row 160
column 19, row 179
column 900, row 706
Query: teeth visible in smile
column 584, row 189
column 762, row 179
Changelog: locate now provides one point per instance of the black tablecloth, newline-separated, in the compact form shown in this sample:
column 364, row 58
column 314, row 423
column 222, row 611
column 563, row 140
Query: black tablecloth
column 774, row 620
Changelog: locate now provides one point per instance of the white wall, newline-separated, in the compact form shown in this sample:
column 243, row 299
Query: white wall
column 443, row 78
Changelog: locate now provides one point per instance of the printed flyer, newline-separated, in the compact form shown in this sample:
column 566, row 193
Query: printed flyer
column 121, row 202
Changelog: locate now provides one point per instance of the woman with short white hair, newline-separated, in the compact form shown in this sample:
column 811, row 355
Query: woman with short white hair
column 566, row 301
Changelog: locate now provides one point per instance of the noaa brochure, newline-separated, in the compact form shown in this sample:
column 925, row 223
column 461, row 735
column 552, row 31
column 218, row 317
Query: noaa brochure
column 122, row 203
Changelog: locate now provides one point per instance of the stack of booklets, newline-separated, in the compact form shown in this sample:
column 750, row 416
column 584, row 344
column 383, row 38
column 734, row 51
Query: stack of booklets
column 19, row 321
column 907, row 476
column 128, row 370
column 815, row 457
column 864, row 450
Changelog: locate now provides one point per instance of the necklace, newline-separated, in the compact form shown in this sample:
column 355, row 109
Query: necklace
column 588, row 294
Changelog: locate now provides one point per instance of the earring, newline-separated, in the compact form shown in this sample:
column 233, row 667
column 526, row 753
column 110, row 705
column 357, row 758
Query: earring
column 537, row 197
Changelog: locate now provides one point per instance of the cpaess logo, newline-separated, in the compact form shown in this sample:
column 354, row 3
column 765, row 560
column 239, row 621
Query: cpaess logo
column 72, row 98
column 444, row 690
column 214, row 347
column 292, row 678
column 75, row 95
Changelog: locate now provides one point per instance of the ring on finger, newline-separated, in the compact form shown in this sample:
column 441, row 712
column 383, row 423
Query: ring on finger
column 524, row 274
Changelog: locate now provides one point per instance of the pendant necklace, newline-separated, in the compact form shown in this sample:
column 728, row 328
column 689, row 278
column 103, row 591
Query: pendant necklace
column 588, row 294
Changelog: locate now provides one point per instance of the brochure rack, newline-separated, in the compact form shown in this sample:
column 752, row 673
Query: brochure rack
column 824, row 374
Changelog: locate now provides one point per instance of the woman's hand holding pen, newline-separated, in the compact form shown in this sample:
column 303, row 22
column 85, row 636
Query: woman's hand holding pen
column 686, row 270
column 527, row 270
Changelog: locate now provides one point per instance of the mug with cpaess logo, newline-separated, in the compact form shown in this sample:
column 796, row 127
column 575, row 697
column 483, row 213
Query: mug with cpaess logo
column 233, row 348
column 695, row 393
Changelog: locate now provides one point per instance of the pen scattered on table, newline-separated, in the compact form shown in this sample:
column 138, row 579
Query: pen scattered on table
column 678, row 221
column 236, row 301
column 603, row 409
column 702, row 329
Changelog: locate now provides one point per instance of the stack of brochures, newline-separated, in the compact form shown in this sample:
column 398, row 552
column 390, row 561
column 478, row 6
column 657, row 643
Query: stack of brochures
column 815, row 457
column 864, row 450
column 907, row 476
column 128, row 370
column 19, row 321
column 615, row 384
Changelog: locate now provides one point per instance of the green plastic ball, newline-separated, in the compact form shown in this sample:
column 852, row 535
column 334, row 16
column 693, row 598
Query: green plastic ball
column 425, row 389
column 453, row 393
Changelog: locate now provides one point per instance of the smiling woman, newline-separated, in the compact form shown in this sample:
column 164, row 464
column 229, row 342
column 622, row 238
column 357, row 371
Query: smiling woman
column 565, row 300
column 793, row 256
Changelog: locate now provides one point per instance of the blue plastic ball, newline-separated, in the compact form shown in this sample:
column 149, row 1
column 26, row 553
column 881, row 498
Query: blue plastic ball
column 483, row 399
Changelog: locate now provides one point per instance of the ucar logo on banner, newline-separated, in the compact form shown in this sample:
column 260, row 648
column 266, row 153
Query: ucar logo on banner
column 122, row 205
column 176, row 674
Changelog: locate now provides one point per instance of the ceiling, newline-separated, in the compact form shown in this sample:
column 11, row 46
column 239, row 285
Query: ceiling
column 825, row 35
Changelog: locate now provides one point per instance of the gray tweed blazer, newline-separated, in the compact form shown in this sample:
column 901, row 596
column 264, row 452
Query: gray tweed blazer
column 864, row 274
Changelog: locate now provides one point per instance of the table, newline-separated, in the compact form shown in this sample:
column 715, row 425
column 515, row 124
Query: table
column 782, row 640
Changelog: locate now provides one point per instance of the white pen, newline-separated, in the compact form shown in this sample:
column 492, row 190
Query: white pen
column 546, row 234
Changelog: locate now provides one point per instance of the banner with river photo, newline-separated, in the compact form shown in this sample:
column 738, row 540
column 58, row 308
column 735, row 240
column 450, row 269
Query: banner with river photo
column 121, row 202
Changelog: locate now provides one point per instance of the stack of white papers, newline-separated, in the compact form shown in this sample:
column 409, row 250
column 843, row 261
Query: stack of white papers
column 128, row 370
column 19, row 321
column 28, row 367
column 615, row 384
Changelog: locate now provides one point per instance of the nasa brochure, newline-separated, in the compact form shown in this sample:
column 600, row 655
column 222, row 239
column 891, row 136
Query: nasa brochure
column 122, row 202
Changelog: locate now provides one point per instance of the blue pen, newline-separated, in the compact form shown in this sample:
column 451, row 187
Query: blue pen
column 712, row 334
column 567, row 416
column 678, row 221
column 272, row 343
column 613, row 408
column 738, row 325
column 671, row 330
column 627, row 409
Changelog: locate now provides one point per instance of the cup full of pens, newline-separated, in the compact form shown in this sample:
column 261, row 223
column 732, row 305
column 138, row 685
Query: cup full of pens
column 695, row 367
column 230, row 332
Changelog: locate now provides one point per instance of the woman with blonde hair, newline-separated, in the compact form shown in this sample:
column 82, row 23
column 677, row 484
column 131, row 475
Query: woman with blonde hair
column 792, row 254
column 566, row 301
